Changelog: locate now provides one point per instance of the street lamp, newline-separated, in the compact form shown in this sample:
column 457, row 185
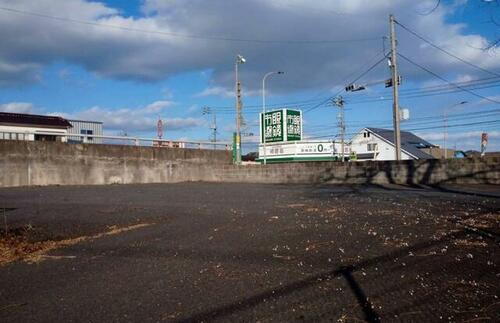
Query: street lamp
column 239, row 60
column 264, row 108
column 445, row 116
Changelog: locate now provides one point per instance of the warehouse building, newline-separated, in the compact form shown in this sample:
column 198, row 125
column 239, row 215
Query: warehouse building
column 85, row 132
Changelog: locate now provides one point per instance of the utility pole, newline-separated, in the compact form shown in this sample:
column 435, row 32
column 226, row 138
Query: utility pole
column 239, row 60
column 395, row 89
column 263, row 123
column 213, row 125
column 339, row 102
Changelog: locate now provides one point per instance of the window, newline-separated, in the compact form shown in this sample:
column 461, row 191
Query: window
column 44, row 137
column 366, row 135
column 87, row 132
column 372, row 147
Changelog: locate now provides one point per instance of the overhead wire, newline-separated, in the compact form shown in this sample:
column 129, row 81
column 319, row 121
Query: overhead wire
column 445, row 80
column 488, row 123
column 445, row 51
column 180, row 35
column 414, row 122
column 356, row 79
column 404, row 93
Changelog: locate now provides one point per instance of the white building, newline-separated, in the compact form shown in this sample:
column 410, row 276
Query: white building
column 85, row 131
column 31, row 127
column 294, row 151
column 378, row 144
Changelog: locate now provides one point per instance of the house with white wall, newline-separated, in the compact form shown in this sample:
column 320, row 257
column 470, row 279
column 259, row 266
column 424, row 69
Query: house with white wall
column 32, row 127
column 378, row 144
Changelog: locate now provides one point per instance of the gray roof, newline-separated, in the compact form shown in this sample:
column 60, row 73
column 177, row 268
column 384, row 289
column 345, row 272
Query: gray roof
column 410, row 143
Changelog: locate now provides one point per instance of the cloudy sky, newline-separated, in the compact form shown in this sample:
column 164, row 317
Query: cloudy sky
column 128, row 62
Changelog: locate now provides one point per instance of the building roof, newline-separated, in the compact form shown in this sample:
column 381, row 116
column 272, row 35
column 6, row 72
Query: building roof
column 410, row 143
column 84, row 121
column 33, row 120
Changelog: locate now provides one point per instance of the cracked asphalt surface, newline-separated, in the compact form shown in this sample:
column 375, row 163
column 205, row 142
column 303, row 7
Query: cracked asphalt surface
column 245, row 252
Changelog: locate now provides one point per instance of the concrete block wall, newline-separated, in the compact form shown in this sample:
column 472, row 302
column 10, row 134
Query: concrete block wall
column 52, row 163
column 25, row 163
column 409, row 172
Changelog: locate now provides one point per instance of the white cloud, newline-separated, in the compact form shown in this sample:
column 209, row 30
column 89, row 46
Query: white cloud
column 459, row 135
column 468, row 140
column 216, row 91
column 158, row 106
column 18, row 107
column 141, row 119
column 129, row 54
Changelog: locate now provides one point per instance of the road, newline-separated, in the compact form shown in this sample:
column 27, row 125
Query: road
column 240, row 252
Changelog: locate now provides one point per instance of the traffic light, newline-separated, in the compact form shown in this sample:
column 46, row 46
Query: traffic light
column 349, row 88
column 388, row 83
column 353, row 88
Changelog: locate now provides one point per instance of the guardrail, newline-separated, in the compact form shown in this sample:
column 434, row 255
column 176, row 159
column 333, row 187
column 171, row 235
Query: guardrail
column 111, row 140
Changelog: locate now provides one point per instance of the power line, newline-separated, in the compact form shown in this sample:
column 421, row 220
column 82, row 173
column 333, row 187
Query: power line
column 418, row 121
column 356, row 79
column 405, row 93
column 487, row 123
column 173, row 34
column 445, row 80
column 445, row 51
column 424, row 94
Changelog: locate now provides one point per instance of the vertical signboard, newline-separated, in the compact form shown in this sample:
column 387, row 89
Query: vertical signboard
column 281, row 125
column 293, row 125
column 272, row 126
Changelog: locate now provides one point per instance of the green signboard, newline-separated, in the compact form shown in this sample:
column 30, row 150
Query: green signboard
column 281, row 125
column 293, row 125
column 272, row 126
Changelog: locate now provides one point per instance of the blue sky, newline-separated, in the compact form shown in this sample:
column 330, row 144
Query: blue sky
column 128, row 62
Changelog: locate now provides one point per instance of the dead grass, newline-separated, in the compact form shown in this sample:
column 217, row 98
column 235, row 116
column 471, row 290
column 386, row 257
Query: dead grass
column 17, row 247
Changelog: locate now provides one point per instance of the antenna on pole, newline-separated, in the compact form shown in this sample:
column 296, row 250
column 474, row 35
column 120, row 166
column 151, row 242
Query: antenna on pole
column 213, row 125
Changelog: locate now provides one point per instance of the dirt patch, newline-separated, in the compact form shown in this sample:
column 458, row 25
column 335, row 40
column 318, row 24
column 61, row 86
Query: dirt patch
column 16, row 246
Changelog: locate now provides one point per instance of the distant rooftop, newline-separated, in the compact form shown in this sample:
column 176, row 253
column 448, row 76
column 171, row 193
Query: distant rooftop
column 33, row 120
column 87, row 121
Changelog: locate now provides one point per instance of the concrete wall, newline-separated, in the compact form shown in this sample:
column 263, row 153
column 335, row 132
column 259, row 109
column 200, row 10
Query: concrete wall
column 408, row 172
column 52, row 163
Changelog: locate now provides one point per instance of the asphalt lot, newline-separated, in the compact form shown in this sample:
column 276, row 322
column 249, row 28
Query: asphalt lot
column 242, row 252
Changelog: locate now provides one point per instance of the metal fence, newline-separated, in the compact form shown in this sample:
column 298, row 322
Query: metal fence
column 112, row 140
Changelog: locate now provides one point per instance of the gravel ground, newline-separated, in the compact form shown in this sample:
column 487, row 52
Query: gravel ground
column 241, row 252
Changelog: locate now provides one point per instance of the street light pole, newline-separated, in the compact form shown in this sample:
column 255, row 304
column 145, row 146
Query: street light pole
column 263, row 125
column 445, row 117
column 239, row 60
